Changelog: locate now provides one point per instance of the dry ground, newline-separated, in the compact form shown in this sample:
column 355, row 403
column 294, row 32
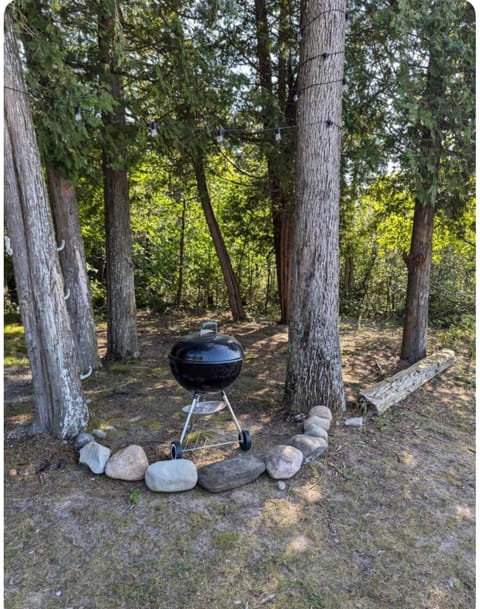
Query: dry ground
column 384, row 521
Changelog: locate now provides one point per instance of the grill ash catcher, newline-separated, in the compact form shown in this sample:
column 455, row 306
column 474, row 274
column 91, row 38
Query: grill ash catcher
column 207, row 362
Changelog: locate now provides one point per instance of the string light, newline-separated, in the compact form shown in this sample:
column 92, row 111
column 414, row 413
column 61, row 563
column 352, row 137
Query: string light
column 220, row 131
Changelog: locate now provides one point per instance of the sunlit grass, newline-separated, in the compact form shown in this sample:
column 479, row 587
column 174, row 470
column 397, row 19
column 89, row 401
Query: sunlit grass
column 15, row 350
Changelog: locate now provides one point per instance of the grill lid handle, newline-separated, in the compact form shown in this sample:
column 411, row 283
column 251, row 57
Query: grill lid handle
column 208, row 326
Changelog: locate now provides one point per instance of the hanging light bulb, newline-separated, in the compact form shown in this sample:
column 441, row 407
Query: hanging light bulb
column 154, row 129
column 278, row 134
column 78, row 113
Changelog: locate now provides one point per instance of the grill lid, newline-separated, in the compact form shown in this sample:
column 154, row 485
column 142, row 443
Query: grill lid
column 207, row 347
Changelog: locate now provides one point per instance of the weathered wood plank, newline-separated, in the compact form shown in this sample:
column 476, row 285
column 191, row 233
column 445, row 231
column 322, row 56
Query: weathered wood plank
column 394, row 389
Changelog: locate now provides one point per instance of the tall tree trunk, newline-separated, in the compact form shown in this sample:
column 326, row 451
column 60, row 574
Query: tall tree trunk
column 280, row 195
column 59, row 401
column 419, row 263
column 419, row 259
column 74, row 268
column 314, row 368
column 233, row 290
column 122, row 341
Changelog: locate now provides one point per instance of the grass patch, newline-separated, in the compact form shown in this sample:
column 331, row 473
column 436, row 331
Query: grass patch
column 14, row 347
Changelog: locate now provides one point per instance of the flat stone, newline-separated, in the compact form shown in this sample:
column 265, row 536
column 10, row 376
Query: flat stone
column 311, row 447
column 230, row 473
column 283, row 461
column 354, row 422
column 313, row 427
column 95, row 456
column 81, row 439
column 128, row 463
column 320, row 411
column 171, row 476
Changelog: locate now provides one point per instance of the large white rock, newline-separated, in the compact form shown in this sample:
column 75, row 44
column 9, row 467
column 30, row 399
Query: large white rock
column 171, row 476
column 95, row 456
column 128, row 463
column 283, row 461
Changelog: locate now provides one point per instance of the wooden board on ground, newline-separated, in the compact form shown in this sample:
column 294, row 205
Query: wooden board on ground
column 394, row 389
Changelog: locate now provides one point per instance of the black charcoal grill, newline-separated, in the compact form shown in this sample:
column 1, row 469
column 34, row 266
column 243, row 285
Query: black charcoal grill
column 207, row 362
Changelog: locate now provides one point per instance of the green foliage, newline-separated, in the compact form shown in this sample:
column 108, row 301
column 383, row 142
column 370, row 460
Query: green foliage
column 408, row 134
column 372, row 245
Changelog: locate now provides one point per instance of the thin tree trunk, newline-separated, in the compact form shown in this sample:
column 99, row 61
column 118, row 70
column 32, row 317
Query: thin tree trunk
column 314, row 369
column 74, row 268
column 419, row 259
column 59, row 401
column 280, row 195
column 419, row 264
column 122, row 341
column 181, row 255
column 234, row 297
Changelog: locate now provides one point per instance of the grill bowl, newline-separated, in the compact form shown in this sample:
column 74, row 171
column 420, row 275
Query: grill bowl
column 206, row 361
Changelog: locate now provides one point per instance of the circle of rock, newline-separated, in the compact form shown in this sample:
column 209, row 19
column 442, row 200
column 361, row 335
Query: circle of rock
column 281, row 462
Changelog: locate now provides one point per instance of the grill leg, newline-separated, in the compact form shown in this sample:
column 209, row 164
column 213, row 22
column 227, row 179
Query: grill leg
column 196, row 399
column 235, row 420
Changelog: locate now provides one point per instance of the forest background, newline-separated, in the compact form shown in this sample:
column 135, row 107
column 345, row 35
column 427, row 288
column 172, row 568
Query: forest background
column 195, row 85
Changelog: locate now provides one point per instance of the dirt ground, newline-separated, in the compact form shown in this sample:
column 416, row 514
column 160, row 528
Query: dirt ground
column 384, row 520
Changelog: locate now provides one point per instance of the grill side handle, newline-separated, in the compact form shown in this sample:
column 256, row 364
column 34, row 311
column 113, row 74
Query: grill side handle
column 208, row 326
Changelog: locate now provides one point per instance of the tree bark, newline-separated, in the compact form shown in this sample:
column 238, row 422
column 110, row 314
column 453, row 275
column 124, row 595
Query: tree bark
column 314, row 368
column 233, row 290
column 74, row 268
column 59, row 401
column 419, row 264
column 122, row 341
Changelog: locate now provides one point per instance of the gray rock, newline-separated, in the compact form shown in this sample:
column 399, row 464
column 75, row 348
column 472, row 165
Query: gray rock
column 171, row 476
column 95, row 456
column 320, row 411
column 81, row 439
column 283, row 461
column 311, row 447
column 99, row 433
column 313, row 427
column 230, row 473
column 354, row 422
column 128, row 463
column 320, row 421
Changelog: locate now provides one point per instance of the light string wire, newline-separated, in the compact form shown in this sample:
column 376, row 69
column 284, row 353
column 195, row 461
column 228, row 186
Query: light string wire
column 219, row 131
column 154, row 125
